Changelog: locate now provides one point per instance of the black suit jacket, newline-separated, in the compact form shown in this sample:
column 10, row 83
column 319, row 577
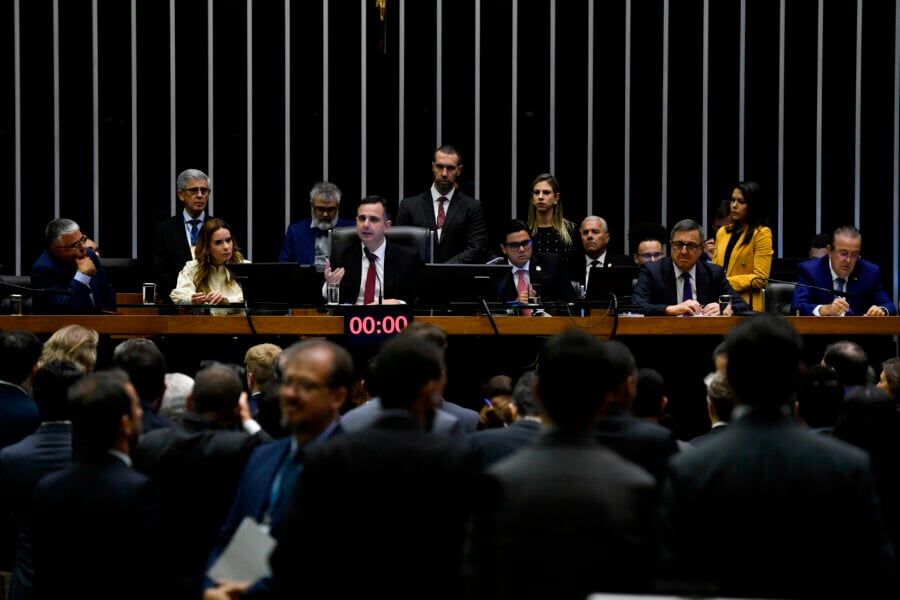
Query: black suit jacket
column 579, row 264
column 464, row 235
column 765, row 500
column 546, row 270
column 644, row 443
column 414, row 485
column 197, row 465
column 170, row 252
column 499, row 442
column 93, row 522
column 401, row 272
column 655, row 288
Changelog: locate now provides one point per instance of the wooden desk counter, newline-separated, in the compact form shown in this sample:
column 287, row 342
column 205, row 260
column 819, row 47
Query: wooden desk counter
column 321, row 324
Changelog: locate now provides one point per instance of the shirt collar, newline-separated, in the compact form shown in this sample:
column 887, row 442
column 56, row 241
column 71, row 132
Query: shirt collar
column 436, row 194
column 692, row 271
column 121, row 456
column 600, row 259
column 524, row 267
column 188, row 217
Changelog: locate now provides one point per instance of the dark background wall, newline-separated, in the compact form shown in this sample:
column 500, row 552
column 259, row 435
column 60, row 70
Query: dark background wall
column 648, row 110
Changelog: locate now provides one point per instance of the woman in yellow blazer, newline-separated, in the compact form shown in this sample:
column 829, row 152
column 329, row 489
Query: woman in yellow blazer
column 744, row 248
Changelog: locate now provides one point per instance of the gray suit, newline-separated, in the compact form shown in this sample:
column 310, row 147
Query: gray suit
column 365, row 414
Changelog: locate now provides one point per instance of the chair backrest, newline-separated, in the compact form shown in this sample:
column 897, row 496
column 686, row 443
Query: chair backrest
column 777, row 297
column 418, row 238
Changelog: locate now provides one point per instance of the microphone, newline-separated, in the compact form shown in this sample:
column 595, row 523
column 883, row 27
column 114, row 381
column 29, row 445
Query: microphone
column 372, row 258
column 809, row 286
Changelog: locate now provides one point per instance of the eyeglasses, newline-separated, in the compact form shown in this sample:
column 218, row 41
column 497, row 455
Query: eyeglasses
column 303, row 385
column 845, row 255
column 324, row 209
column 691, row 247
column 76, row 245
column 651, row 255
column 517, row 245
column 197, row 190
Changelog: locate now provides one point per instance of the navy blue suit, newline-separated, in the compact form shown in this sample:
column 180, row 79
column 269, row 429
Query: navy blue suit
column 252, row 499
column 18, row 414
column 401, row 270
column 300, row 242
column 49, row 272
column 93, row 523
column 863, row 287
column 655, row 288
column 464, row 236
column 22, row 465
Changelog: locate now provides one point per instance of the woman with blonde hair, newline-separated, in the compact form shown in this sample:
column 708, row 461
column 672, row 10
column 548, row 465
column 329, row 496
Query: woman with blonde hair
column 206, row 279
column 551, row 232
column 73, row 343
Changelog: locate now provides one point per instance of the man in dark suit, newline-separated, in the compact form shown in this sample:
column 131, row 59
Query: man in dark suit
column 683, row 284
column 393, row 492
column 175, row 237
column 20, row 352
column 375, row 270
column 778, row 488
column 316, row 377
column 98, row 518
column 22, row 465
column 842, row 270
column 720, row 403
column 306, row 241
column 595, row 239
column 576, row 504
column 495, row 443
column 198, row 465
column 145, row 364
column 70, row 263
column 544, row 270
column 456, row 218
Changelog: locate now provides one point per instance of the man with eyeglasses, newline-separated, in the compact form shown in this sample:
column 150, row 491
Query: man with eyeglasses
column 683, row 284
column 647, row 241
column 457, row 219
column 306, row 241
column 856, row 282
column 70, row 264
column 374, row 271
column 175, row 237
column 530, row 269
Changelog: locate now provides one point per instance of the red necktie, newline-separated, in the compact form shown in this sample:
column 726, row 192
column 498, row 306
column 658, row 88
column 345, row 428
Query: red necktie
column 522, row 286
column 369, row 293
column 441, row 216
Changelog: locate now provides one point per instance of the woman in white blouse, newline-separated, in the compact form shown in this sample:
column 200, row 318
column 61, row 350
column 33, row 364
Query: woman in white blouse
column 206, row 279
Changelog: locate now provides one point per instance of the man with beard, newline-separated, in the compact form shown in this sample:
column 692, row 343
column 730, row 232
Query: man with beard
column 316, row 379
column 306, row 241
column 100, row 514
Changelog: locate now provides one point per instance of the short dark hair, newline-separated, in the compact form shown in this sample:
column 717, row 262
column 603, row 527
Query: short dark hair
column 377, row 200
column 849, row 360
column 649, row 394
column 98, row 401
column 764, row 344
column 51, row 387
column 819, row 396
column 19, row 352
column 145, row 365
column 217, row 389
column 686, row 225
column 523, row 396
column 403, row 366
column 515, row 226
column 448, row 149
column 820, row 240
column 643, row 232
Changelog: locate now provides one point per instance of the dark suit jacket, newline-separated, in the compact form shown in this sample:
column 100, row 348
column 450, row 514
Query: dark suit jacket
column 93, row 522
column 499, row 442
column 18, row 414
column 464, row 235
column 468, row 418
column 300, row 242
column 585, row 511
column 767, row 492
column 22, row 465
column 395, row 494
column 655, row 288
column 401, row 270
column 546, row 270
column 197, row 464
column 49, row 272
column 646, row 444
column 864, row 283
column 171, row 251
column 612, row 259
column 705, row 437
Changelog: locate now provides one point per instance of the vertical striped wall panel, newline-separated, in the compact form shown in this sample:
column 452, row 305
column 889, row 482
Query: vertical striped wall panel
column 644, row 111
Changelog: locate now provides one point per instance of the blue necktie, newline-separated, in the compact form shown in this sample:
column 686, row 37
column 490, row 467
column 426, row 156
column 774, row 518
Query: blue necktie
column 688, row 290
column 195, row 230
column 840, row 281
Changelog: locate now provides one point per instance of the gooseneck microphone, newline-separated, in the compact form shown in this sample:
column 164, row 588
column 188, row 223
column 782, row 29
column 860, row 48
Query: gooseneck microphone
column 372, row 258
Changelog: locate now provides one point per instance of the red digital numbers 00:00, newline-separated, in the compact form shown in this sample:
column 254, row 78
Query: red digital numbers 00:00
column 369, row 326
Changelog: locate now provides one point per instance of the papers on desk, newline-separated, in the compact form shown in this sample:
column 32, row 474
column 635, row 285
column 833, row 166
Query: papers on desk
column 246, row 558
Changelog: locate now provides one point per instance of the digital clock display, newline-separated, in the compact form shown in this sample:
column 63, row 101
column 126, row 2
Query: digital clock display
column 373, row 324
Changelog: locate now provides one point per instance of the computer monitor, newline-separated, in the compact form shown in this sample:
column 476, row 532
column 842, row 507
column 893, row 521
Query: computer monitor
column 606, row 281
column 275, row 285
column 449, row 285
